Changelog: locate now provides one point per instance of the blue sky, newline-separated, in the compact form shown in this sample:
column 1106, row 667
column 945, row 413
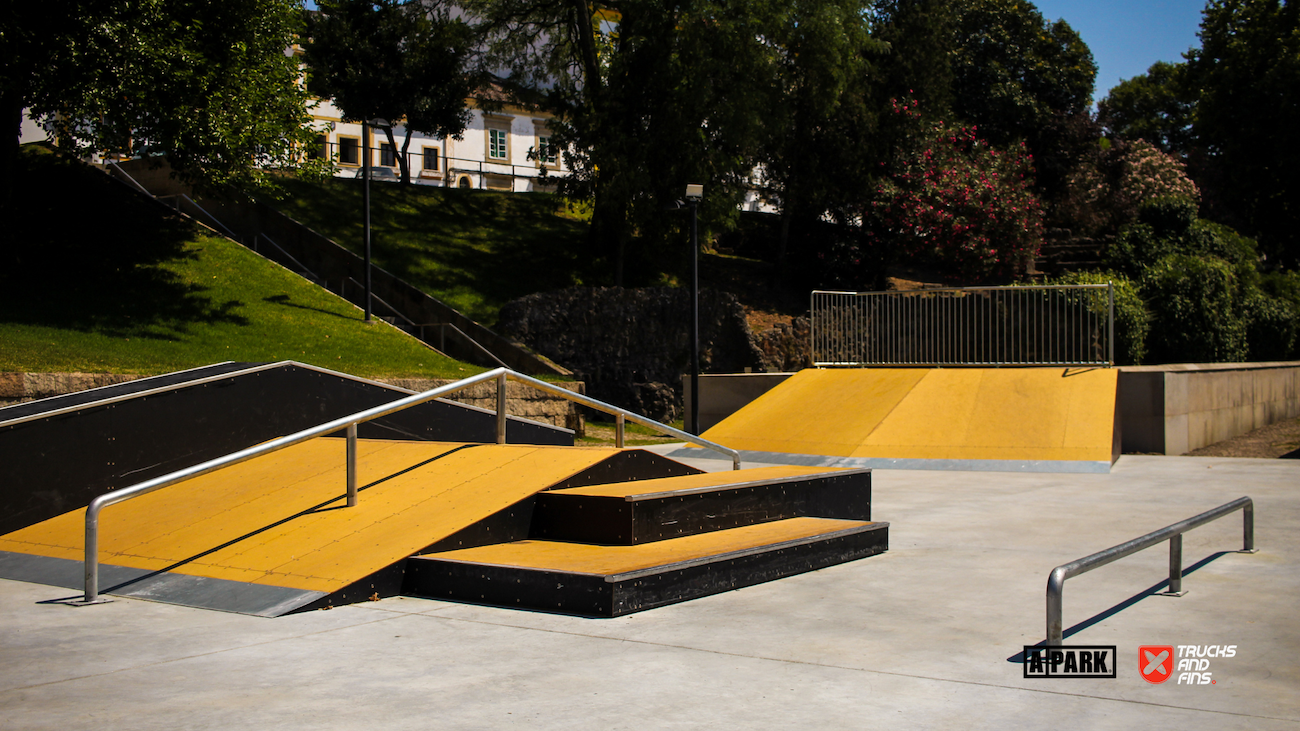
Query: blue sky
column 1127, row 36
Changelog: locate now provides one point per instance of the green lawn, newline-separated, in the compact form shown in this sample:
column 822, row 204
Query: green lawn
column 473, row 249
column 96, row 279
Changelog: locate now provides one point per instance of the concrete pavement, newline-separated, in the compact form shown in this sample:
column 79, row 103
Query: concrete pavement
column 919, row 637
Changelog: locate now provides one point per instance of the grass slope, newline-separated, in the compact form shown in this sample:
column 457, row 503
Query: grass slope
column 94, row 278
column 473, row 249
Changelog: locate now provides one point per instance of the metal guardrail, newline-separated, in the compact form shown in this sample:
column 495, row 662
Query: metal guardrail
column 447, row 170
column 349, row 425
column 1173, row 534
column 1041, row 325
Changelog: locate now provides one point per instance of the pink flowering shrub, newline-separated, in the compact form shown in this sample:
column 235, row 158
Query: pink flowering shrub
column 1106, row 193
column 955, row 201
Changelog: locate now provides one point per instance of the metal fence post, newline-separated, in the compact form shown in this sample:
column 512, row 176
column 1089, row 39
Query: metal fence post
column 1110, row 323
column 618, row 430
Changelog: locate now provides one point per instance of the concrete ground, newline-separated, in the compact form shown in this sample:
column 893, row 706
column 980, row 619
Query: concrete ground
column 920, row 637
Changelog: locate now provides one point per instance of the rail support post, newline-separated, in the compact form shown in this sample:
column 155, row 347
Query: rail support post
column 501, row 409
column 1248, row 529
column 352, row 465
column 1175, row 567
column 618, row 430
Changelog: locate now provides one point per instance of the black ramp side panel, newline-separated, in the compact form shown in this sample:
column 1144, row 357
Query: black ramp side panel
column 81, row 398
column 627, row 466
column 60, row 463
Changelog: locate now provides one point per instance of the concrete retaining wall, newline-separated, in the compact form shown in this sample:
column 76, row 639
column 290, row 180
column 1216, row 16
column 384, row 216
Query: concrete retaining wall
column 1173, row 409
column 521, row 400
column 722, row 395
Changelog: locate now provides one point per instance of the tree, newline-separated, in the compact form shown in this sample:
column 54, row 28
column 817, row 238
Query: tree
column 1247, row 72
column 818, row 165
column 651, row 95
column 209, row 85
column 1013, row 71
column 1157, row 106
column 393, row 60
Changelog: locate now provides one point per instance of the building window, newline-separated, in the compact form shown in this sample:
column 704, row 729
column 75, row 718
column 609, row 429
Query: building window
column 386, row 156
column 430, row 159
column 319, row 148
column 544, row 153
column 349, row 151
column 498, row 144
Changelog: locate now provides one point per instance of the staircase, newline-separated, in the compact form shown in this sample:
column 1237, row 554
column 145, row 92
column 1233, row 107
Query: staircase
column 609, row 550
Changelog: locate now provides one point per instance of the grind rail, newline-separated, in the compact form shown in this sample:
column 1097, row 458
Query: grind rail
column 349, row 424
column 1040, row 325
column 1173, row 534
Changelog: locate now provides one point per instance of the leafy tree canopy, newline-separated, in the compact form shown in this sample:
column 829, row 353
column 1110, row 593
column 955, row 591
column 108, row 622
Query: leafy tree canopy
column 652, row 95
column 396, row 60
column 208, row 84
column 1157, row 106
column 1247, row 72
column 1013, row 71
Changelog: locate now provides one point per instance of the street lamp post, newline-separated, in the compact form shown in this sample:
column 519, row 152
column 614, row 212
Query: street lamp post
column 693, row 195
column 365, row 173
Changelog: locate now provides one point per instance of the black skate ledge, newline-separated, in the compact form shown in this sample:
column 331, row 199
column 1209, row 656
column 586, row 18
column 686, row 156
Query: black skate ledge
column 655, row 516
column 596, row 595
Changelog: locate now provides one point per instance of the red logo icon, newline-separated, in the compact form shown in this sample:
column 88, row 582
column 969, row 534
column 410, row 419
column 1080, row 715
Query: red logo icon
column 1156, row 662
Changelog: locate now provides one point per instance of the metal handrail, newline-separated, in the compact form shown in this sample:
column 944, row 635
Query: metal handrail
column 442, row 344
column 286, row 254
column 1173, row 534
column 349, row 423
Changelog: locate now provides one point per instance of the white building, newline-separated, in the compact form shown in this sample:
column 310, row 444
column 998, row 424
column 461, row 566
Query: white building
column 507, row 150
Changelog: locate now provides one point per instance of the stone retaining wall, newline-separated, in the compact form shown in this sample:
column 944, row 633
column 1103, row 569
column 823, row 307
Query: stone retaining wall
column 521, row 400
column 17, row 388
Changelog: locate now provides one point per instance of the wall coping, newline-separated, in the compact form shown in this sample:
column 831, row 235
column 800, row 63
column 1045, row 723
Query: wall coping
column 1195, row 367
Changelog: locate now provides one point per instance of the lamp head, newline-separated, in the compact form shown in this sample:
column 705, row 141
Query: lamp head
column 694, row 192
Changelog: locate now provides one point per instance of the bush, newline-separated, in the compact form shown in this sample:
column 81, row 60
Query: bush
column 1271, row 327
column 1168, row 226
column 1132, row 321
column 1196, row 311
column 956, row 202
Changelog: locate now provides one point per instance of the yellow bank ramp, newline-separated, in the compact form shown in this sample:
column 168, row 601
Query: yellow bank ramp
column 274, row 534
column 1039, row 419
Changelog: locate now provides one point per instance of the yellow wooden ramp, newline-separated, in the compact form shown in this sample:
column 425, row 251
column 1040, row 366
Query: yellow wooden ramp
column 274, row 534
column 1048, row 419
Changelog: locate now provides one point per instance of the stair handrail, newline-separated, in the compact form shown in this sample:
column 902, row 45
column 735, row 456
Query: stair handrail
column 1172, row 533
column 349, row 423
column 286, row 254
column 182, row 197
column 413, row 324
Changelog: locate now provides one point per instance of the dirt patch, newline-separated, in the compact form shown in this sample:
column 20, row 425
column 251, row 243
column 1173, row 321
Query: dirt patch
column 1275, row 441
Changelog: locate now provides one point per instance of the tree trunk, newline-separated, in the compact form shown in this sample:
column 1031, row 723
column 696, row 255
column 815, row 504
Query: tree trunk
column 403, row 165
column 11, row 106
